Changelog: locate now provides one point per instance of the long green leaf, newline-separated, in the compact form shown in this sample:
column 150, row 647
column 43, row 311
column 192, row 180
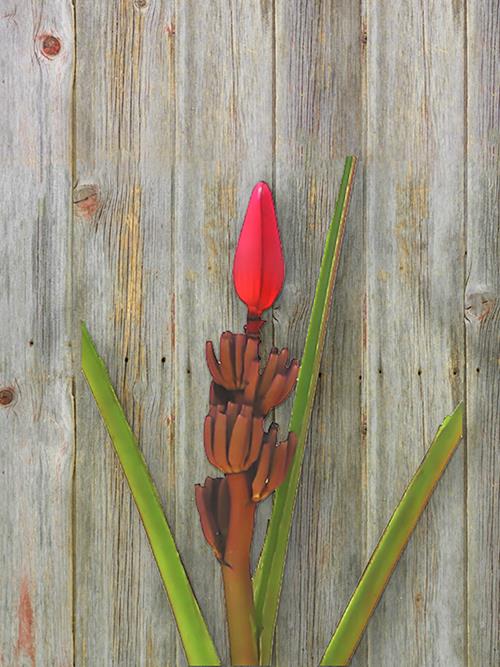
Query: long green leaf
column 393, row 542
column 269, row 573
column 196, row 639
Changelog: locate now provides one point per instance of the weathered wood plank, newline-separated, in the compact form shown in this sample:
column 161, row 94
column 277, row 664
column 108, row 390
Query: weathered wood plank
column 482, row 317
column 415, row 248
column 176, row 118
column 319, row 67
column 36, row 406
column 124, row 287
column 224, row 146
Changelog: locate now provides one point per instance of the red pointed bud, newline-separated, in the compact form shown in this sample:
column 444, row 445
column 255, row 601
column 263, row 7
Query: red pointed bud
column 259, row 268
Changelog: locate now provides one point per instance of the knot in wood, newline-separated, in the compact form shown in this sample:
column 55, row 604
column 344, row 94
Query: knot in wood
column 51, row 46
column 86, row 200
column 6, row 396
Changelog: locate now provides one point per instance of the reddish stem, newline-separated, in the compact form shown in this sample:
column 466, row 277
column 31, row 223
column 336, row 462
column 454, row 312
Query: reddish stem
column 236, row 572
column 254, row 325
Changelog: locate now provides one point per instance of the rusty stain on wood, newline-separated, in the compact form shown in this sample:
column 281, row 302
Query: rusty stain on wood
column 25, row 646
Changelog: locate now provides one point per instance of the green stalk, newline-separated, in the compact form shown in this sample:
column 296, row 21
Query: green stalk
column 269, row 573
column 393, row 542
column 196, row 639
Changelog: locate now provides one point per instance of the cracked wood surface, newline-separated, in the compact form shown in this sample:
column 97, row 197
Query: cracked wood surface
column 130, row 145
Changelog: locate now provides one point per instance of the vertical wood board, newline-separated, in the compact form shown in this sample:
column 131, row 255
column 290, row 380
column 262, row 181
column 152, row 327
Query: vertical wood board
column 482, row 320
column 319, row 107
column 36, row 403
column 415, row 360
column 124, row 267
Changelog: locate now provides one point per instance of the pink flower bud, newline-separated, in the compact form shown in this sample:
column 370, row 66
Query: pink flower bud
column 259, row 268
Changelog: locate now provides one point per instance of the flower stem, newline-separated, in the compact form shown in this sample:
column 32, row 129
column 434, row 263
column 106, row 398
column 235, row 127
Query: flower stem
column 236, row 573
column 254, row 325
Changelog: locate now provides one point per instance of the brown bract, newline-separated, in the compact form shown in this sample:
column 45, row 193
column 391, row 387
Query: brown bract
column 212, row 501
column 273, row 465
column 237, row 376
column 270, row 462
column 252, row 459
column 232, row 437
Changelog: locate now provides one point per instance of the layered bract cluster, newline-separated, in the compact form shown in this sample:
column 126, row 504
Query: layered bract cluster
column 235, row 439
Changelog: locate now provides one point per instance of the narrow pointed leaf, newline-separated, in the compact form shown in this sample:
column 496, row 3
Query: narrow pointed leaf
column 269, row 573
column 196, row 639
column 393, row 542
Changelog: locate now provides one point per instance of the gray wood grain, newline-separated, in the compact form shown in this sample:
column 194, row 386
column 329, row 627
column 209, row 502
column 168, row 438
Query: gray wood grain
column 319, row 66
column 415, row 358
column 124, row 290
column 36, row 405
column 482, row 318
column 129, row 157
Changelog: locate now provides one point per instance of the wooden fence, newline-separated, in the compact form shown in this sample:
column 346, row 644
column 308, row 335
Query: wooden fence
column 131, row 133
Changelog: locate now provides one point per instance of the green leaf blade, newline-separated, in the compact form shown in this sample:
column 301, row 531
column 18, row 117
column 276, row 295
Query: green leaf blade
column 269, row 572
column 198, row 644
column 393, row 542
